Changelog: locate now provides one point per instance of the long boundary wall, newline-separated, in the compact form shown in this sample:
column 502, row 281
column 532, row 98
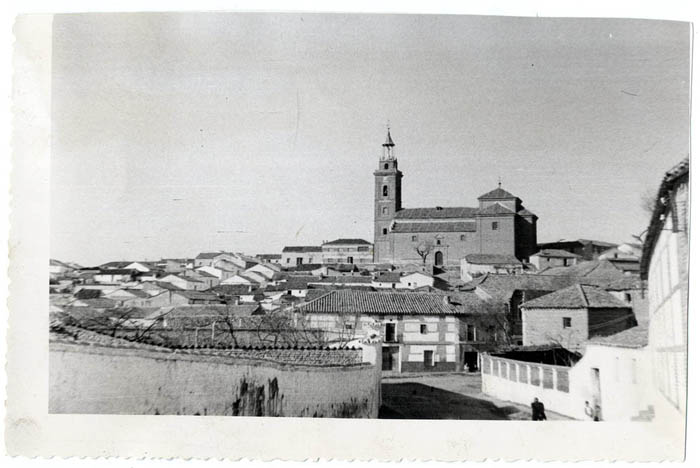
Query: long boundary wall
column 93, row 379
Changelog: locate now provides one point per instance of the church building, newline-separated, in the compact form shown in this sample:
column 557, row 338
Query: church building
column 439, row 236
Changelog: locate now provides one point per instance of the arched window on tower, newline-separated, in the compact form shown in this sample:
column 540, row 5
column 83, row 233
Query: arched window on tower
column 386, row 166
column 385, row 191
column 385, row 210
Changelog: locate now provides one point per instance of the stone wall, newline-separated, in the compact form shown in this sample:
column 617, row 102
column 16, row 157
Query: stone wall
column 545, row 326
column 102, row 379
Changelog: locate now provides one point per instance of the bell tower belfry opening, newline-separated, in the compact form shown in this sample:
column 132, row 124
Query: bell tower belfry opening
column 387, row 200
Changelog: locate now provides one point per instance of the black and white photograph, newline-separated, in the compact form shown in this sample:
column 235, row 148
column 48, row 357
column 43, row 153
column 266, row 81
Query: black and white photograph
column 369, row 216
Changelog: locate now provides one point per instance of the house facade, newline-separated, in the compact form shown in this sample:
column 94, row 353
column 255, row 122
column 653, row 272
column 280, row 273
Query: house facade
column 347, row 251
column 419, row 330
column 546, row 258
column 300, row 255
column 664, row 266
column 571, row 316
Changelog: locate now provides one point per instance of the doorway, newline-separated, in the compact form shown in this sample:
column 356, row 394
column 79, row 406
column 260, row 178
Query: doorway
column 438, row 258
column 471, row 361
column 427, row 359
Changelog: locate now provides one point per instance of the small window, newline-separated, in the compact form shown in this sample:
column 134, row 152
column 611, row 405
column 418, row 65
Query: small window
column 423, row 329
column 386, row 166
column 289, row 260
column 349, row 326
column 385, row 210
column 438, row 242
column 385, row 191
column 566, row 322
column 494, row 226
column 462, row 237
column 384, row 231
column 471, row 333
column 414, row 238
column 628, row 297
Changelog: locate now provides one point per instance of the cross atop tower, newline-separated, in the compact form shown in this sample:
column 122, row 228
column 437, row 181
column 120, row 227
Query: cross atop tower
column 499, row 181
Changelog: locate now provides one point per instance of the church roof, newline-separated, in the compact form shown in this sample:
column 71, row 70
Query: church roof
column 495, row 209
column 526, row 212
column 436, row 212
column 466, row 226
column 497, row 194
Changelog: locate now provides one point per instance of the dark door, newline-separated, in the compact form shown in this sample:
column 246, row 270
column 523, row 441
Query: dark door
column 427, row 359
column 471, row 361
column 438, row 258
column 387, row 359
column 350, row 260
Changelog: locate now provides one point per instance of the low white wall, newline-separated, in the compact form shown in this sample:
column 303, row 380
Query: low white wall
column 625, row 387
column 522, row 382
column 92, row 379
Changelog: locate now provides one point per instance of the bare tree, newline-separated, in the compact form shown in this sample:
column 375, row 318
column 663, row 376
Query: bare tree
column 423, row 249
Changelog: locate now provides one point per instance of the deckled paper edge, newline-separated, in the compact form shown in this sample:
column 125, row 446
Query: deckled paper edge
column 31, row 431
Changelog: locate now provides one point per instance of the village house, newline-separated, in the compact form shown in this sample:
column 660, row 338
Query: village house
column 571, row 316
column 208, row 258
column 185, row 282
column 546, row 258
column 473, row 265
column 299, row 255
column 419, row 330
column 625, row 257
column 59, row 269
column 664, row 265
column 115, row 275
column 269, row 258
column 399, row 280
column 350, row 251
column 587, row 249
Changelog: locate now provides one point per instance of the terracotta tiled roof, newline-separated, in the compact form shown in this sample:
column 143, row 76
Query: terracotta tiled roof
column 495, row 209
column 302, row 248
column 343, row 280
column 393, row 303
column 212, row 310
column 577, row 296
column 497, row 194
column 387, row 277
column 635, row 337
column 556, row 253
column 348, row 242
column 436, row 213
column 492, row 259
column 599, row 269
column 468, row 226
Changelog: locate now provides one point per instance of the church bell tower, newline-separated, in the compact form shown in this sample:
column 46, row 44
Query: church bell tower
column 387, row 201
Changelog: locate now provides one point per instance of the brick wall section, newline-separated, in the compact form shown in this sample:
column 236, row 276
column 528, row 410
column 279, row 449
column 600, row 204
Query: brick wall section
column 99, row 379
column 545, row 326
column 313, row 357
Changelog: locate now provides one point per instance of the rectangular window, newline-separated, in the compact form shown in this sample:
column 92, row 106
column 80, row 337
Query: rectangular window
column 494, row 225
column 423, row 329
column 414, row 238
column 628, row 297
column 462, row 237
column 566, row 322
column 289, row 260
column 300, row 260
column 384, row 231
column 390, row 332
column 471, row 333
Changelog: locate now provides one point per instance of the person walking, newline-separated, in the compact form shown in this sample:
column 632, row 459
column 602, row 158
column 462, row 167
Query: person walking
column 589, row 412
column 538, row 413
column 597, row 415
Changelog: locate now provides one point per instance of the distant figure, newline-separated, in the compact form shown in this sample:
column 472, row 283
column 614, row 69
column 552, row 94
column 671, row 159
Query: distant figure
column 596, row 414
column 538, row 413
column 589, row 412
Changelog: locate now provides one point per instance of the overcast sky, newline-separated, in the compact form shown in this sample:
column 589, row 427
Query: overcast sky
column 180, row 133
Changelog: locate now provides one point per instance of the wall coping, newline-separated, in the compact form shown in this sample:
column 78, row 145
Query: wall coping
column 188, row 355
column 515, row 361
